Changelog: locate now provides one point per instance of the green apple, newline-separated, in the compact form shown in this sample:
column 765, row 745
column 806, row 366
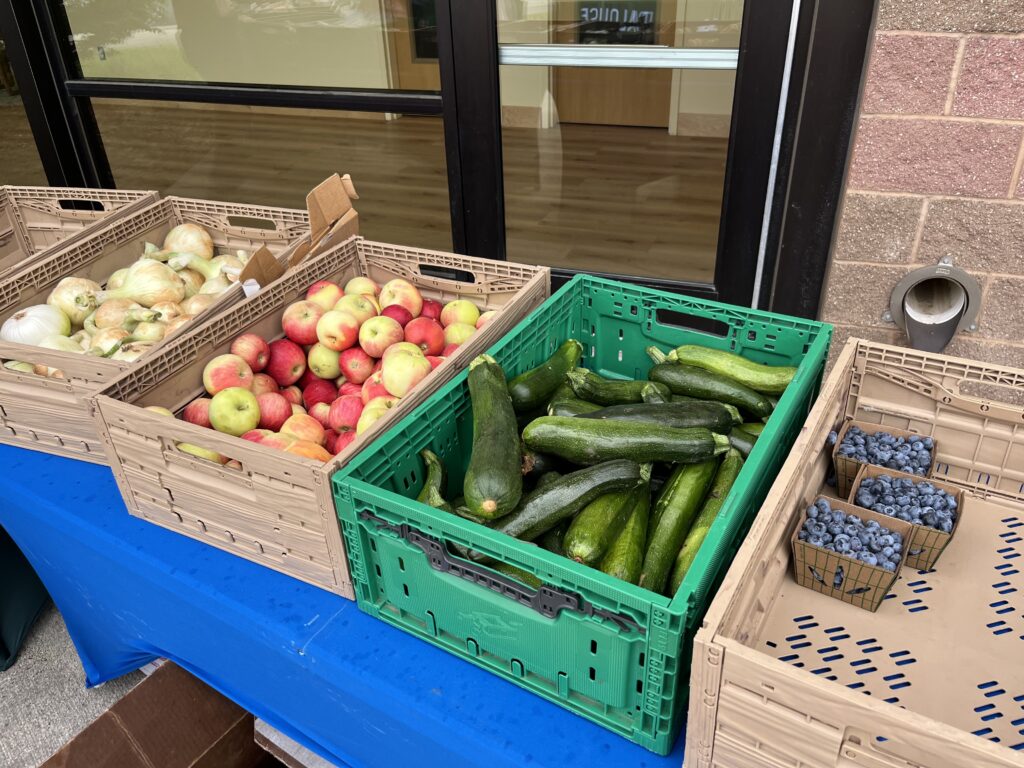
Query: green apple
column 323, row 361
column 458, row 333
column 234, row 411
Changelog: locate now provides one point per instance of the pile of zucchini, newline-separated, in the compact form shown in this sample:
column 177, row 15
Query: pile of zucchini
column 621, row 475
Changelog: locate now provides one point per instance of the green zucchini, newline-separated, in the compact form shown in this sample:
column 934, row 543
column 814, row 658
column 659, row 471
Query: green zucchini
column 560, row 499
column 742, row 441
column 552, row 540
column 752, row 427
column 671, row 520
column 494, row 480
column 656, row 355
column 533, row 389
column 768, row 379
column 700, row 413
column 594, row 529
column 536, row 464
column 720, row 487
column 432, row 492
column 591, row 441
column 654, row 394
column 463, row 512
column 546, row 478
column 596, row 389
column 574, row 407
column 518, row 574
column 625, row 556
column 697, row 382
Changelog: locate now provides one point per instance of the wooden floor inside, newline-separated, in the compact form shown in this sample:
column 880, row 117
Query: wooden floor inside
column 600, row 198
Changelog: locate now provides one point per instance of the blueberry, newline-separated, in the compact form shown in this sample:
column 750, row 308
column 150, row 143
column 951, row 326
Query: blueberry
column 815, row 540
column 946, row 526
column 856, row 544
column 889, row 565
column 870, row 559
column 802, row 536
column 888, row 552
column 812, row 512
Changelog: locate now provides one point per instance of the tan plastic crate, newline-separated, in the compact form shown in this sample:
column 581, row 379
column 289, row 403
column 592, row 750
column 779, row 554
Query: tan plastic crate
column 50, row 414
column 278, row 509
column 782, row 676
column 847, row 468
column 925, row 544
column 860, row 584
column 36, row 221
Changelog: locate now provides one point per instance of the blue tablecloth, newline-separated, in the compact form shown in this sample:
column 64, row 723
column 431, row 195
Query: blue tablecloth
column 352, row 689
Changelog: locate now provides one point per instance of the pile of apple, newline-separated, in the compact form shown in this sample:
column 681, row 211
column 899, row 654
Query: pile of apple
column 347, row 357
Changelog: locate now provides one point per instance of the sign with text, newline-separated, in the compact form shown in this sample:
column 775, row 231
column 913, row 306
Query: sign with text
column 617, row 22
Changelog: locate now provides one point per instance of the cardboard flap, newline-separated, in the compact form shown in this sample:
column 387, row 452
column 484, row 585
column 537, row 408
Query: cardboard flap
column 262, row 268
column 330, row 206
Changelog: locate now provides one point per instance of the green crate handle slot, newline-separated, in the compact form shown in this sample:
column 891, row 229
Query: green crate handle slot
column 547, row 601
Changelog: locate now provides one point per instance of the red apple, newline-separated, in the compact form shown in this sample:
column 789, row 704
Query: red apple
column 303, row 427
column 299, row 321
column 427, row 334
column 319, row 391
column 399, row 291
column 377, row 364
column 350, row 388
column 324, row 293
column 345, row 413
column 458, row 333
column 198, row 412
column 460, row 311
column 226, row 371
column 360, row 307
column 431, row 309
column 435, row 360
column 373, row 387
column 343, row 441
column 275, row 410
column 320, row 412
column 397, row 312
column 356, row 365
column 234, row 411
column 337, row 330
column 360, row 285
column 307, row 378
column 324, row 362
column 450, row 350
column 379, row 333
column 330, row 438
column 253, row 349
column 292, row 394
column 262, row 383
column 257, row 435
column 403, row 372
column 485, row 318
column 287, row 362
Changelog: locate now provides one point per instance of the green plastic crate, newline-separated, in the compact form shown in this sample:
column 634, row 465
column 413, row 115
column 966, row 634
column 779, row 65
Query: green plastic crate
column 610, row 651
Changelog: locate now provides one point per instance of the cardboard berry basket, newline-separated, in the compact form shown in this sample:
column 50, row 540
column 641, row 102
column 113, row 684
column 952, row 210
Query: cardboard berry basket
column 847, row 468
column 926, row 544
column 784, row 676
column 35, row 222
column 841, row 576
column 276, row 508
column 49, row 412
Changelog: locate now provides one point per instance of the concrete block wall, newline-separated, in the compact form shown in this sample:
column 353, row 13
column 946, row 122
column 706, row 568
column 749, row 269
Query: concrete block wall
column 936, row 171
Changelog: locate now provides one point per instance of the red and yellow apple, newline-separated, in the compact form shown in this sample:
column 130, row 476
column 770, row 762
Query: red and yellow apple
column 257, row 435
column 345, row 413
column 234, row 411
column 399, row 291
column 323, row 362
column 459, row 311
column 303, row 427
column 398, row 313
column 292, row 394
column 325, row 293
column 277, row 441
column 355, row 365
column 427, row 334
column 361, row 285
column 343, row 440
column 485, row 318
column 449, row 350
column 262, row 383
column 198, row 412
column 402, row 372
column 297, row 409
column 337, row 330
column 401, row 348
column 253, row 349
column 319, row 391
column 360, row 307
column 432, row 309
column 374, row 410
column 458, row 333
column 275, row 410
column 320, row 412
column 373, row 388
column 202, row 453
column 299, row 321
column 226, row 371
column 287, row 362
column 351, row 388
column 379, row 333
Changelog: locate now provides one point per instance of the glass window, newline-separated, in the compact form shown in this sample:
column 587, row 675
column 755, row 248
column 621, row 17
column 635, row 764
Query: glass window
column 616, row 168
column 326, row 43
column 19, row 159
column 275, row 156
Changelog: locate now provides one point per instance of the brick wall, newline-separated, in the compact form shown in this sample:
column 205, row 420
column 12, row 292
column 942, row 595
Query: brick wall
column 936, row 170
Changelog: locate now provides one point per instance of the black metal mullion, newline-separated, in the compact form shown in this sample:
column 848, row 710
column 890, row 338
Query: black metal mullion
column 356, row 100
column 468, row 58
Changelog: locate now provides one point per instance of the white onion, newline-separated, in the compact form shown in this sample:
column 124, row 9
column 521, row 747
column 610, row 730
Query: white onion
column 148, row 282
column 76, row 297
column 33, row 324
column 61, row 344
column 189, row 238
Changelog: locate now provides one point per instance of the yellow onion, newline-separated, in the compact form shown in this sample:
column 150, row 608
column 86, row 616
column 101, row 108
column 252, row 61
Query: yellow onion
column 121, row 313
column 178, row 323
column 230, row 266
column 189, row 238
column 76, row 297
column 166, row 311
column 129, row 353
column 149, row 331
column 116, row 280
column 107, row 340
column 83, row 339
column 61, row 344
column 197, row 304
column 45, row 370
column 193, row 281
column 148, row 282
column 215, row 286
